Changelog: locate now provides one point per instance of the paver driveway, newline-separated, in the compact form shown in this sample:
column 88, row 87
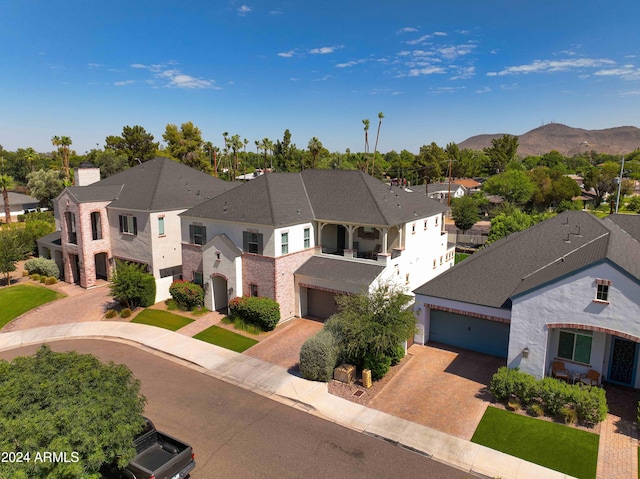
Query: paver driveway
column 441, row 387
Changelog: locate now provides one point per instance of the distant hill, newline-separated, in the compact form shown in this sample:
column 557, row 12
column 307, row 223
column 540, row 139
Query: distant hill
column 567, row 140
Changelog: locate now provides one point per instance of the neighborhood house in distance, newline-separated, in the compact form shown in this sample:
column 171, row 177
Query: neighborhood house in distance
column 566, row 289
column 298, row 238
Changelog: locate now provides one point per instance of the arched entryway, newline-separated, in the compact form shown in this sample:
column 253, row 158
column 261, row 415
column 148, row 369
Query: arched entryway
column 101, row 266
column 220, row 294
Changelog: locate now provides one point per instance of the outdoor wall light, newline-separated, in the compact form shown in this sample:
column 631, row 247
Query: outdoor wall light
column 525, row 353
column 418, row 311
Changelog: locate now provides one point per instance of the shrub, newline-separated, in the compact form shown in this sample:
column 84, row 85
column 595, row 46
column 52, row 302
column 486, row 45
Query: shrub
column 43, row 279
column 35, row 277
column 634, row 204
column 514, row 405
column 110, row 314
column 42, row 266
column 569, row 415
column 50, row 280
column 379, row 365
column 396, row 354
column 125, row 313
column 187, row 294
column 263, row 312
column 148, row 285
column 319, row 355
column 536, row 410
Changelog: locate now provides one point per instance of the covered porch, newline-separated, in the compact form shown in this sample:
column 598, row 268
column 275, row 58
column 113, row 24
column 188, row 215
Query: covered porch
column 360, row 241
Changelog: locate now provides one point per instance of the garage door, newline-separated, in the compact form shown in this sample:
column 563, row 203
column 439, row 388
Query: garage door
column 481, row 335
column 321, row 304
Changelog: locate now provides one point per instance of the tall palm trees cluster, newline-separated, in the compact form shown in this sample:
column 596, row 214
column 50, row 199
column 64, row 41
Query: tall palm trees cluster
column 63, row 143
column 366, row 124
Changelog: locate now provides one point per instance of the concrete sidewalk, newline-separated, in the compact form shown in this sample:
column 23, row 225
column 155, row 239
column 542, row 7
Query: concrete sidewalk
column 312, row 397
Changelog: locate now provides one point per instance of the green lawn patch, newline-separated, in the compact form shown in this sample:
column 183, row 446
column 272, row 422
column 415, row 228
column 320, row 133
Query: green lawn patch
column 161, row 319
column 225, row 339
column 19, row 299
column 558, row 447
column 460, row 257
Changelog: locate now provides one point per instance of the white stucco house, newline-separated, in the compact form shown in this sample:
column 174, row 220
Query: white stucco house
column 131, row 216
column 567, row 289
column 302, row 238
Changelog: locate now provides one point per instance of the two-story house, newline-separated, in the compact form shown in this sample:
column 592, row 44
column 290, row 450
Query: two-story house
column 566, row 289
column 302, row 238
column 132, row 216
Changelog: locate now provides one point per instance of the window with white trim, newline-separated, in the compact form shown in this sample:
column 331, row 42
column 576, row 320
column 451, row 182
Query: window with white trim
column 285, row 242
column 254, row 289
column 160, row 225
column 602, row 290
column 575, row 345
column 198, row 234
column 128, row 225
column 307, row 237
column 425, row 224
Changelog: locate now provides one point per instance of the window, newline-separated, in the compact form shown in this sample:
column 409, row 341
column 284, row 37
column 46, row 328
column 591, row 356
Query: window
column 198, row 278
column 252, row 242
column 436, row 221
column 602, row 291
column 161, row 225
column 254, row 289
column 71, row 227
column 197, row 234
column 285, row 243
column 575, row 346
column 434, row 264
column 425, row 224
column 96, row 226
column 413, row 229
column 406, row 278
column 307, row 237
column 128, row 225
column 440, row 259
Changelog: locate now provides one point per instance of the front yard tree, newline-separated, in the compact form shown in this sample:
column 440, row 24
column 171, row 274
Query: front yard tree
column 71, row 404
column 502, row 151
column 514, row 186
column 13, row 248
column 132, row 285
column 373, row 325
column 465, row 212
column 6, row 183
column 602, row 180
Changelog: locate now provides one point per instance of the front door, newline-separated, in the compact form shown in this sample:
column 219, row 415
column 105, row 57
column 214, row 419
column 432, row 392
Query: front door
column 623, row 359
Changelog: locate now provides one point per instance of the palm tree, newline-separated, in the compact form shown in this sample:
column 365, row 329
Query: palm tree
column 6, row 183
column 315, row 146
column 375, row 148
column 366, row 142
column 31, row 156
column 245, row 141
column 267, row 145
column 63, row 143
column 235, row 143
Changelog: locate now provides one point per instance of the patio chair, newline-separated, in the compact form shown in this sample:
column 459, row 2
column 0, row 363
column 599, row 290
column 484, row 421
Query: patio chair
column 590, row 378
column 559, row 371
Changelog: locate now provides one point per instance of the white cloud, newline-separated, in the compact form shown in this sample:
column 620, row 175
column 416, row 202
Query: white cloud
column 543, row 66
column 243, row 10
column 439, row 34
column 483, row 90
column 174, row 77
column 430, row 70
column 626, row 72
column 323, row 50
column 351, row 63
column 418, row 40
column 138, row 65
column 407, row 30
column 123, row 83
column 277, row 11
column 464, row 73
column 452, row 52
column 288, row 54
column 94, row 65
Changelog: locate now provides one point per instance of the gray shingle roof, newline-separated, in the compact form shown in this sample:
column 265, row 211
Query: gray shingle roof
column 280, row 199
column 160, row 184
column 530, row 258
column 338, row 270
column 628, row 223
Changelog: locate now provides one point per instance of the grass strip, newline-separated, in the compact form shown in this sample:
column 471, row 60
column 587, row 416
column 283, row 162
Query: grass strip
column 161, row 319
column 19, row 299
column 225, row 339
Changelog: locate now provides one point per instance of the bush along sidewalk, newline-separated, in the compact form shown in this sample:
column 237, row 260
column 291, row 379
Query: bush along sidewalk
column 263, row 312
column 586, row 404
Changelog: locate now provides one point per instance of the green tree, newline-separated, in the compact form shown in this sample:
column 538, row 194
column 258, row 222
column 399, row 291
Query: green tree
column 135, row 143
column 72, row 403
column 63, row 143
column 375, row 148
column 315, row 146
column 366, row 124
column 185, row 144
column 602, row 180
column 37, row 225
column 432, row 161
column 45, row 185
column 514, row 186
column 464, row 211
column 512, row 221
column 12, row 249
column 502, row 151
column 109, row 161
column 6, row 184
column 130, row 284
column 373, row 323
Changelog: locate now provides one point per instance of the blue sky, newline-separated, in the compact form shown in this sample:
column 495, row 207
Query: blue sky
column 439, row 70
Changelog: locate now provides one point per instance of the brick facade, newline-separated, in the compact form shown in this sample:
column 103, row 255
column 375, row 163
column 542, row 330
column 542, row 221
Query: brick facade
column 191, row 260
column 285, row 293
column 259, row 270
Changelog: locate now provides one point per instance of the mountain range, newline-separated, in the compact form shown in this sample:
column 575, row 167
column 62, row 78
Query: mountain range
column 566, row 140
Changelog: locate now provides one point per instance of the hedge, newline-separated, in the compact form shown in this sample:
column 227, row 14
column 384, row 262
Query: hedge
column 590, row 403
column 186, row 294
column 319, row 355
column 42, row 266
column 263, row 312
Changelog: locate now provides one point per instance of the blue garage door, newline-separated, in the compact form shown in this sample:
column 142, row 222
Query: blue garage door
column 481, row 335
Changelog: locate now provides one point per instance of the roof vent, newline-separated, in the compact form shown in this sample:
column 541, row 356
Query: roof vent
column 298, row 211
column 566, row 221
column 567, row 240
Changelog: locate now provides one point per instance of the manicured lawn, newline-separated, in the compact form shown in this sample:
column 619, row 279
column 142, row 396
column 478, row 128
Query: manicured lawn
column 161, row 319
column 562, row 448
column 460, row 257
column 225, row 339
column 19, row 299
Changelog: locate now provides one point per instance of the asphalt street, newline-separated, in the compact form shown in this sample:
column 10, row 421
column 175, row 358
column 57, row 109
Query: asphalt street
column 237, row 433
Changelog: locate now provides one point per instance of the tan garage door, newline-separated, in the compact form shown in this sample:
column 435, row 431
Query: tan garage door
column 321, row 304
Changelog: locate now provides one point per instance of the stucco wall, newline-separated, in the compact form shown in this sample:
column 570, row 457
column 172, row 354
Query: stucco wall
column 166, row 250
column 571, row 300
column 127, row 246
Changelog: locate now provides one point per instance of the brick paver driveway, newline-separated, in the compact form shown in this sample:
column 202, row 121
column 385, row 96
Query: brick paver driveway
column 441, row 387
column 283, row 347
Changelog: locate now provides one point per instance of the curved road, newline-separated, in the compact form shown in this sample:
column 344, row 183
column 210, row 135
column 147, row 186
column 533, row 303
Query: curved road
column 236, row 433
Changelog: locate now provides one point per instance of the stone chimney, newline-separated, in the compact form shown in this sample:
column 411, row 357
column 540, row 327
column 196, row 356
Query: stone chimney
column 86, row 174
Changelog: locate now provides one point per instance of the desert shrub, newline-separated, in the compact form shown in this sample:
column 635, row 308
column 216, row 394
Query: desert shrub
column 42, row 266
column 110, row 314
column 263, row 312
column 187, row 294
column 50, row 280
column 35, row 277
column 319, row 355
column 536, row 410
column 568, row 415
column 43, row 279
column 379, row 365
column 514, row 405
column 634, row 204
column 125, row 313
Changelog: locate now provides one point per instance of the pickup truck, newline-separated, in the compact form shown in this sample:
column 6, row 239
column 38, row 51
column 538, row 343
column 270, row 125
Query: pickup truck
column 159, row 456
